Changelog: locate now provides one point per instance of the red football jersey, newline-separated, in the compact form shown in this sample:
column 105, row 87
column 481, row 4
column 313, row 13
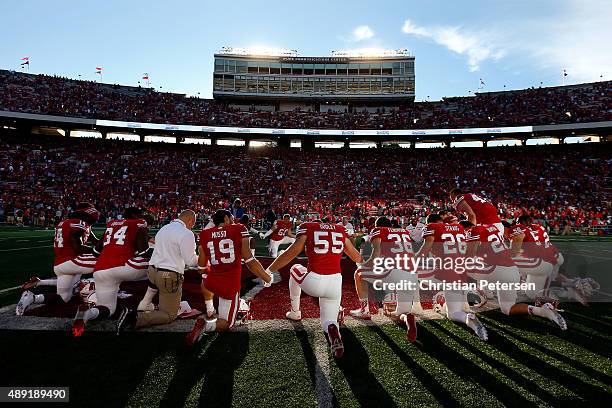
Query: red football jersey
column 393, row 241
column 493, row 249
column 119, row 243
column 223, row 248
column 61, row 243
column 449, row 243
column 282, row 229
column 486, row 213
column 324, row 246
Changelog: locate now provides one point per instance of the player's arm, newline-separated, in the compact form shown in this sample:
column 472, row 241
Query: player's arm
column 375, row 253
column 294, row 250
column 202, row 260
column 267, row 234
column 76, row 242
column 463, row 207
column 352, row 252
column 142, row 243
column 472, row 248
column 252, row 263
column 426, row 247
column 516, row 243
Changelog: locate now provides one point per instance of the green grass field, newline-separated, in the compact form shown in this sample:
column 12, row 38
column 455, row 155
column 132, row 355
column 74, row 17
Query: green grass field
column 524, row 363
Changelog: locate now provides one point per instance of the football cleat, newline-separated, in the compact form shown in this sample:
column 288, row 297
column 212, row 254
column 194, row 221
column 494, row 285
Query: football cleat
column 211, row 313
column 244, row 312
column 294, row 315
column 78, row 323
column 473, row 323
column 542, row 300
column 411, row 327
column 31, row 283
column 578, row 295
column 439, row 303
column 27, row 298
column 554, row 316
column 195, row 333
column 361, row 313
column 335, row 341
column 127, row 320
column 476, row 298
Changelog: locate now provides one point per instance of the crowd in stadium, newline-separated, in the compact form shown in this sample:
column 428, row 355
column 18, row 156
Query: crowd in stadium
column 55, row 95
column 565, row 186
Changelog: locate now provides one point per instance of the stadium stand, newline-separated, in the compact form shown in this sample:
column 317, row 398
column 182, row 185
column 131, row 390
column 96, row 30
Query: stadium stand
column 44, row 94
column 564, row 186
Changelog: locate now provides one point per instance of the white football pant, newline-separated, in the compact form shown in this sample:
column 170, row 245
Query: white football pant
column 502, row 274
column 538, row 274
column 273, row 246
column 228, row 309
column 69, row 274
column 108, row 280
column 328, row 288
column 404, row 297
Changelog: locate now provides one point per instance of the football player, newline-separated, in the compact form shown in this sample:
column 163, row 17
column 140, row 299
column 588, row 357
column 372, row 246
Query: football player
column 477, row 209
column 73, row 257
column 388, row 242
column 415, row 228
column 225, row 245
column 535, row 262
column 324, row 244
column 487, row 242
column 124, row 254
column 446, row 241
column 280, row 234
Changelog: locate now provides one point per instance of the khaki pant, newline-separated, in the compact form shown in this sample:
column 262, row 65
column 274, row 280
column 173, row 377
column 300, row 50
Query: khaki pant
column 170, row 285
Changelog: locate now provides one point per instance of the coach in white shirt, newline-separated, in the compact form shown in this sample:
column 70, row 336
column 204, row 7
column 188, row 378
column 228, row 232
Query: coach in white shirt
column 174, row 249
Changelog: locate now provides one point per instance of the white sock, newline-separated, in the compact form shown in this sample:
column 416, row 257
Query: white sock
column 91, row 314
column 148, row 297
column 295, row 303
column 209, row 305
column 210, row 326
column 47, row 282
column 39, row 298
column 539, row 311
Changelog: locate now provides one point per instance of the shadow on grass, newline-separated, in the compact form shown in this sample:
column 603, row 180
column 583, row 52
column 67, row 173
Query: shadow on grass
column 501, row 367
column 443, row 396
column 355, row 365
column 468, row 370
column 576, row 385
column 217, row 365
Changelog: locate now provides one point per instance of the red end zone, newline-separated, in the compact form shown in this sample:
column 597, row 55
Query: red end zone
column 268, row 303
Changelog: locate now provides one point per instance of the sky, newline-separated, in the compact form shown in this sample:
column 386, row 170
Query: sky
column 516, row 43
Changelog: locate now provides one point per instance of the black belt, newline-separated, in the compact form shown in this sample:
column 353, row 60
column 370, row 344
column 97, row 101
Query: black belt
column 164, row 270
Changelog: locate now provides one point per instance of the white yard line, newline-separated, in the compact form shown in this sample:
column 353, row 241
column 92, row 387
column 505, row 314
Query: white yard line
column 8, row 290
column 24, row 248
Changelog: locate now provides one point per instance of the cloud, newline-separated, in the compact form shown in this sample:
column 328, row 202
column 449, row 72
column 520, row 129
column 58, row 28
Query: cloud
column 575, row 37
column 472, row 45
column 361, row 33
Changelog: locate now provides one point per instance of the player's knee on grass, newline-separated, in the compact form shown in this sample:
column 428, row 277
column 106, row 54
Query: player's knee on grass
column 222, row 325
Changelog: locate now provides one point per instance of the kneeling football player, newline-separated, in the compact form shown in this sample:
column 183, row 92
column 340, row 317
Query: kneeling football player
column 225, row 245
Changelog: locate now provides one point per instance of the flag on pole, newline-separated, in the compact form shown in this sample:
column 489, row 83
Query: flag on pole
column 99, row 70
column 25, row 61
column 145, row 76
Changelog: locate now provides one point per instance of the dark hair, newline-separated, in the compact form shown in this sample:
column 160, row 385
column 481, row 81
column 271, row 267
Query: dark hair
column 132, row 212
column 506, row 224
column 382, row 222
column 433, row 218
column 245, row 219
column 466, row 224
column 524, row 219
column 456, row 191
column 394, row 223
column 325, row 220
column 219, row 216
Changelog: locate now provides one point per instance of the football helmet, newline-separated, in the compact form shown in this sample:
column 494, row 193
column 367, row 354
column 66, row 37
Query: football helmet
column 439, row 303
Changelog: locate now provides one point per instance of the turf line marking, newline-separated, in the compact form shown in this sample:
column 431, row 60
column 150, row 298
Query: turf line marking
column 323, row 389
column 8, row 290
column 26, row 248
